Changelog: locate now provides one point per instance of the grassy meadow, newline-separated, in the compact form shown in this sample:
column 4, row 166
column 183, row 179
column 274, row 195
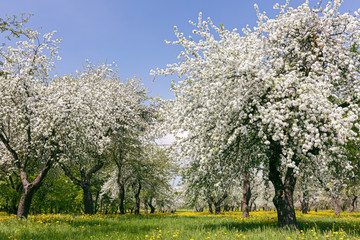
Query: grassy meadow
column 181, row 225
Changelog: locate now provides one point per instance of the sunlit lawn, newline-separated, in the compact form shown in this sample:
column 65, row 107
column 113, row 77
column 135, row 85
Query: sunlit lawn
column 183, row 225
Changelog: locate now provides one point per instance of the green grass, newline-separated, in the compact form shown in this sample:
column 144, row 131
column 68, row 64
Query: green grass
column 183, row 225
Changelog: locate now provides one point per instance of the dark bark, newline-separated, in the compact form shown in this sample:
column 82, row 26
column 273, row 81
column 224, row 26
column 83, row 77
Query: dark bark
column 253, row 206
column 217, row 208
column 85, row 183
column 283, row 201
column 217, row 204
column 304, row 207
column 246, row 195
column 210, row 206
column 284, row 190
column 305, row 204
column 152, row 208
column 25, row 202
column 29, row 189
column 353, row 203
column 137, row 199
column 121, row 198
column 199, row 209
column 96, row 206
column 87, row 199
column 121, row 180
column 336, row 202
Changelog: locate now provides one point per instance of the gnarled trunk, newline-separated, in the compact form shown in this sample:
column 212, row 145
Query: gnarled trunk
column 85, row 183
column 137, row 199
column 283, row 202
column 305, row 203
column 353, row 203
column 87, row 198
column 253, row 206
column 217, row 204
column 217, row 208
column 152, row 208
column 304, row 207
column 246, row 195
column 210, row 206
column 25, row 202
column 121, row 199
column 336, row 202
column 29, row 189
column 283, row 199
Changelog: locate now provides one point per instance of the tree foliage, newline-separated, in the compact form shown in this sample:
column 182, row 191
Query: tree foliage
column 289, row 88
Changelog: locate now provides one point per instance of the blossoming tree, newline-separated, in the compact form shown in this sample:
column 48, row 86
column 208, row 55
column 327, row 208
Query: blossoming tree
column 289, row 88
column 86, row 97
column 28, row 126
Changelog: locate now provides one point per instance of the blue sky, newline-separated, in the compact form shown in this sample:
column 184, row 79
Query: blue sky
column 132, row 33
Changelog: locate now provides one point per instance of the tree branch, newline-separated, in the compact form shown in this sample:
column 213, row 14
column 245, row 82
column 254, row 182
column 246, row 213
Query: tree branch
column 69, row 174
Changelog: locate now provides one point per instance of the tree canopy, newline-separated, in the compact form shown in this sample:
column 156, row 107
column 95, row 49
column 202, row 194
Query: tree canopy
column 289, row 88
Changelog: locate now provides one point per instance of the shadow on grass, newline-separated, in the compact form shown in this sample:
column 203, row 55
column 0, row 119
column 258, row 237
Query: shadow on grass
column 137, row 226
column 320, row 226
column 241, row 226
column 330, row 225
column 79, row 228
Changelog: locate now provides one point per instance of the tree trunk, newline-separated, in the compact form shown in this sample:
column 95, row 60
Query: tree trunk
column 25, row 202
column 283, row 202
column 246, row 195
column 85, row 183
column 29, row 189
column 121, row 199
column 283, row 199
column 87, row 199
column 265, row 207
column 96, row 205
column 217, row 204
column 305, row 203
column 336, row 202
column 210, row 206
column 353, row 203
column 304, row 207
column 254, row 208
column 137, row 199
column 152, row 208
column 217, row 207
